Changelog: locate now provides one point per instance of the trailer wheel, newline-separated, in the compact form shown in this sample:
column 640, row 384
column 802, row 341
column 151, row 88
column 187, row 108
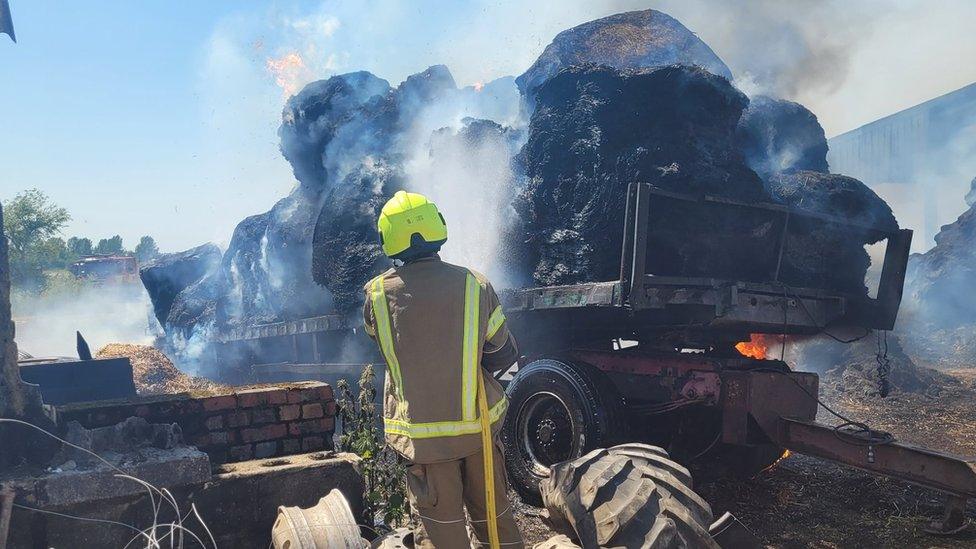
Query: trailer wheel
column 557, row 412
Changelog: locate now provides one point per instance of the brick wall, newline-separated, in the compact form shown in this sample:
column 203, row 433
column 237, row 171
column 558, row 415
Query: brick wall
column 237, row 425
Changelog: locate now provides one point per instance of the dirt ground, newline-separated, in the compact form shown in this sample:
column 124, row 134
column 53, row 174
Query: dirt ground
column 806, row 502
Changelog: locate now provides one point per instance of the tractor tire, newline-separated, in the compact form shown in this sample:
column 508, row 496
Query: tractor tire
column 615, row 498
column 557, row 412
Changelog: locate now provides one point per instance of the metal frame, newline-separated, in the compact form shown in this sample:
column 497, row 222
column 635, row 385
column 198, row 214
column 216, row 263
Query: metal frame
column 783, row 405
column 325, row 323
column 771, row 307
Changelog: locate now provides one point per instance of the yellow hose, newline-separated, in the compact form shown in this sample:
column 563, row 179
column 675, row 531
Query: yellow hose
column 486, row 449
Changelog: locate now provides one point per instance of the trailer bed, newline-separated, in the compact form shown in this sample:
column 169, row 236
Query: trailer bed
column 640, row 304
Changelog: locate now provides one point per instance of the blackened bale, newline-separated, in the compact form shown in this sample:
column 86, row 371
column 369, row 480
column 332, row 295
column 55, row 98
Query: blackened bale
column 775, row 135
column 365, row 167
column 822, row 254
column 169, row 274
column 631, row 40
column 594, row 131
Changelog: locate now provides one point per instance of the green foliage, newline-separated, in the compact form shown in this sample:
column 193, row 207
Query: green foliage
column 383, row 471
column 110, row 246
column 146, row 250
column 79, row 246
column 30, row 221
column 53, row 253
column 59, row 284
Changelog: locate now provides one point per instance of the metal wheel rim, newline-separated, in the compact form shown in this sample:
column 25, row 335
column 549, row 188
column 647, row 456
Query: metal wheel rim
column 539, row 407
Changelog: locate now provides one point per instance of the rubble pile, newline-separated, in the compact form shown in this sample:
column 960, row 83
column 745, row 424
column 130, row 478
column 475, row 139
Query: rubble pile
column 776, row 135
column 153, row 373
column 17, row 399
column 637, row 39
column 938, row 318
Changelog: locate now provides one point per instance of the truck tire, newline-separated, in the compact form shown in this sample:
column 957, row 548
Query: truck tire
column 557, row 412
column 612, row 498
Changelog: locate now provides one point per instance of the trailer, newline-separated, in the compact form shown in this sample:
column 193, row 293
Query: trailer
column 648, row 358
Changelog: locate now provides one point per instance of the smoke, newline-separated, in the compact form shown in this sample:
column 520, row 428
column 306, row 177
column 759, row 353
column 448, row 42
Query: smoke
column 110, row 313
column 459, row 153
column 468, row 172
column 353, row 140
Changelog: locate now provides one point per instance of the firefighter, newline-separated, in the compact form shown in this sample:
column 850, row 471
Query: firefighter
column 439, row 326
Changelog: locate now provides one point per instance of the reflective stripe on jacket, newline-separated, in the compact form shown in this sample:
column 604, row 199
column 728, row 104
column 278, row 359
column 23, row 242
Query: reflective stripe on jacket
column 432, row 321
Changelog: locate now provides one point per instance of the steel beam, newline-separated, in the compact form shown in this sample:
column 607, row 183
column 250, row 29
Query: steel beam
column 947, row 473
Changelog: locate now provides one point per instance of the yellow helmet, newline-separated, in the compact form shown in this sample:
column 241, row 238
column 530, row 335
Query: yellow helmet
column 409, row 224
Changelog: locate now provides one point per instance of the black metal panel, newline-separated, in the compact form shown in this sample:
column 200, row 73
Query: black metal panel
column 82, row 380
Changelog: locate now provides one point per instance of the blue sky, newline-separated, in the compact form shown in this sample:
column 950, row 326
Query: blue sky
column 159, row 117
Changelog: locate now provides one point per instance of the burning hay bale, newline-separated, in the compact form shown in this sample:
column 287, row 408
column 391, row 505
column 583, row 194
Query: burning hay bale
column 347, row 252
column 312, row 119
column 818, row 254
column 153, row 373
column 169, row 274
column 266, row 268
column 631, row 40
column 777, row 136
column 595, row 130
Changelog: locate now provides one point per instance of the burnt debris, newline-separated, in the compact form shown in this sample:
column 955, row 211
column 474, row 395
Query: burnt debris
column 939, row 309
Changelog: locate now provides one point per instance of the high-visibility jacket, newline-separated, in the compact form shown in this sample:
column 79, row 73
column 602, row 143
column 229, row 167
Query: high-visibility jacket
column 432, row 321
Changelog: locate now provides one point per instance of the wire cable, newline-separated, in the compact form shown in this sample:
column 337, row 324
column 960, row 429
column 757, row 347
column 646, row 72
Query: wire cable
column 868, row 436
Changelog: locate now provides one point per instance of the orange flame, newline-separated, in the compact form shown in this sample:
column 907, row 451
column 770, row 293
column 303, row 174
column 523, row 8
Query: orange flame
column 756, row 347
column 786, row 454
column 289, row 72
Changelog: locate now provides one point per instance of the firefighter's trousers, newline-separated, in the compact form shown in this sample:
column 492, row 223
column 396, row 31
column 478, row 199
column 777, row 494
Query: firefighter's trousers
column 439, row 492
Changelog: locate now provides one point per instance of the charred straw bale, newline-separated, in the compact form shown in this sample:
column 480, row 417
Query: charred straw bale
column 365, row 167
column 820, row 254
column 597, row 129
column 169, row 274
column 776, row 135
column 632, row 40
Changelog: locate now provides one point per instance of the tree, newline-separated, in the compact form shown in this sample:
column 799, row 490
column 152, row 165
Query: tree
column 109, row 246
column 146, row 250
column 30, row 219
column 80, row 247
column 52, row 253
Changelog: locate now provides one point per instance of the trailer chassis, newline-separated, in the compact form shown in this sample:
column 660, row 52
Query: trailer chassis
column 758, row 400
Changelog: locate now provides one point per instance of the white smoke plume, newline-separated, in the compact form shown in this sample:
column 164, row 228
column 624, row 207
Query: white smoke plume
column 112, row 313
